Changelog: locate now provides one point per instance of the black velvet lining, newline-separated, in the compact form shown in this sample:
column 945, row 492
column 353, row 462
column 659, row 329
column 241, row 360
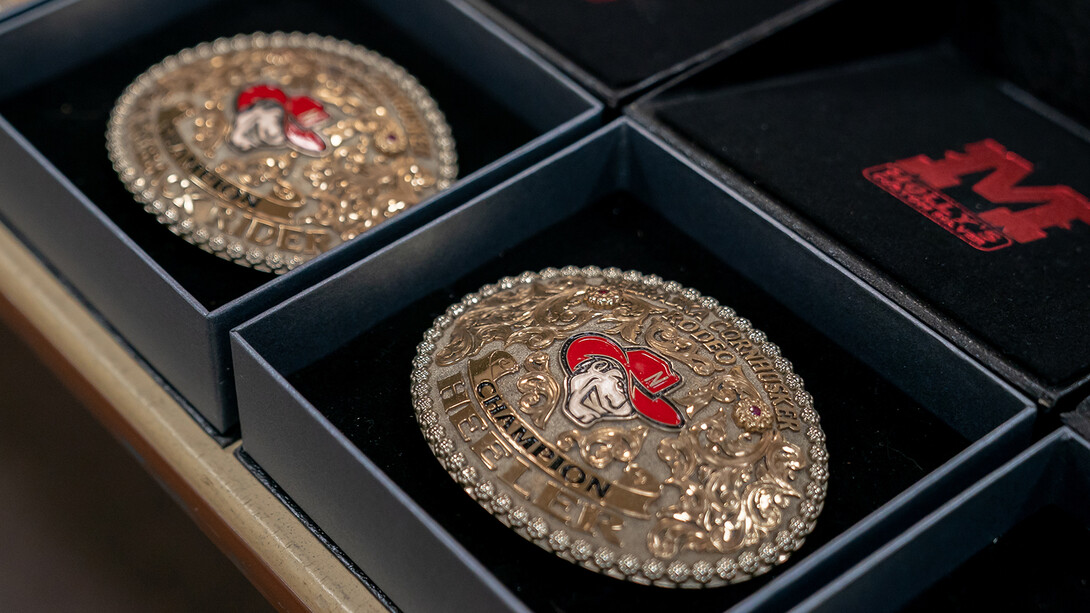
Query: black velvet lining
column 1039, row 565
column 622, row 42
column 65, row 118
column 807, row 139
column 1041, row 45
column 829, row 37
column 880, row 442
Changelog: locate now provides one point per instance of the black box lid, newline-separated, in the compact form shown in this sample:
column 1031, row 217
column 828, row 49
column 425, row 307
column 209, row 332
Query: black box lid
column 619, row 47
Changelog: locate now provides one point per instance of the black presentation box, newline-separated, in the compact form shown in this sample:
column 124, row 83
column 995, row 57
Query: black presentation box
column 618, row 48
column 960, row 196
column 1014, row 541
column 64, row 63
column 324, row 401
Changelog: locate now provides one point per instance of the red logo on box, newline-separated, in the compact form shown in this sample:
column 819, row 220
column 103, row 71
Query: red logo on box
column 919, row 181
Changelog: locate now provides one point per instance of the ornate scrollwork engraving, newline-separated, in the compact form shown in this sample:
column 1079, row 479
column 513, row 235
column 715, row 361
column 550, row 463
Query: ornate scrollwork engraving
column 602, row 446
column 666, row 339
column 536, row 314
column 540, row 313
column 733, row 487
column 750, row 412
column 540, row 389
column 629, row 315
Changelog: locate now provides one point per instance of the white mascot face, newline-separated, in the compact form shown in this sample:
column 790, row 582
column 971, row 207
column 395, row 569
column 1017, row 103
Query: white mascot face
column 598, row 389
column 261, row 125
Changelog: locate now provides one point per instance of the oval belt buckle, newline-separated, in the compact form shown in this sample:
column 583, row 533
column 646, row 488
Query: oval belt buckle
column 625, row 423
column 270, row 149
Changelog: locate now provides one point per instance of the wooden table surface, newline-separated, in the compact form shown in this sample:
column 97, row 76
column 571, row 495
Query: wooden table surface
column 277, row 554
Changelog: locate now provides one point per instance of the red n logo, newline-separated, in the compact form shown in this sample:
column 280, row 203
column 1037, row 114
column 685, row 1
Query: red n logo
column 1059, row 205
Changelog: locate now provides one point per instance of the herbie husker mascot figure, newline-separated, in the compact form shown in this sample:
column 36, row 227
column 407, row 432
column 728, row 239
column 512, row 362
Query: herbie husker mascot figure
column 606, row 381
column 267, row 117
